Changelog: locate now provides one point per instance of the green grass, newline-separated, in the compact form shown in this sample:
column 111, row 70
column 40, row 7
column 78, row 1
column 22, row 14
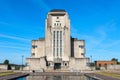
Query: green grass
column 114, row 75
column 7, row 73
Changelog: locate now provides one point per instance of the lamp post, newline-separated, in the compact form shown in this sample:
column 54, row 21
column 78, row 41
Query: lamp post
column 22, row 62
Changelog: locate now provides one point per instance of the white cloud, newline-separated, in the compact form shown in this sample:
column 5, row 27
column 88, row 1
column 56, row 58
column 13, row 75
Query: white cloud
column 14, row 47
column 13, row 37
column 25, row 29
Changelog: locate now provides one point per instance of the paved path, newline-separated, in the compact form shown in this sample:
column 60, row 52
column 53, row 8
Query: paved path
column 100, row 77
column 13, row 76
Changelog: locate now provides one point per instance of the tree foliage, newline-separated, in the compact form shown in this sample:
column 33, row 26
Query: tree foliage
column 6, row 62
column 115, row 59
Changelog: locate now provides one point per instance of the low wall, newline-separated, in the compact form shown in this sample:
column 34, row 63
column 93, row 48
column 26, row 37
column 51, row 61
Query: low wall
column 113, row 67
column 3, row 67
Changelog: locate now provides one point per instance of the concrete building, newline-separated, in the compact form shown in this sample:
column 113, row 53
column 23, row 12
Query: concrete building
column 3, row 67
column 58, row 50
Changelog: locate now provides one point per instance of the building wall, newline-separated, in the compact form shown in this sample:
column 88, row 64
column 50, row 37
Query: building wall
column 3, row 67
column 38, row 48
column 104, row 63
column 55, row 24
column 113, row 67
column 34, row 63
column 79, row 64
column 41, row 48
column 79, row 50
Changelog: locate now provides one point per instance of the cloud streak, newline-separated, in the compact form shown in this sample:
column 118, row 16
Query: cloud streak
column 14, row 37
column 26, row 29
column 96, row 42
column 13, row 47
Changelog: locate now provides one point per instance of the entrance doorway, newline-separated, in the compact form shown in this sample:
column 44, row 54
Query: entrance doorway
column 57, row 66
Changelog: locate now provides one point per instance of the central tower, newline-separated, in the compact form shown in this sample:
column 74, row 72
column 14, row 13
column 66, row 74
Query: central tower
column 57, row 38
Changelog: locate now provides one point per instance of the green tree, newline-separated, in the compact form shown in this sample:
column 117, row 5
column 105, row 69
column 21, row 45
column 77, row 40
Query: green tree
column 6, row 62
column 115, row 59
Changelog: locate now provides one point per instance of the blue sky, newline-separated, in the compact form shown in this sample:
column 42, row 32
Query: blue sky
column 95, row 21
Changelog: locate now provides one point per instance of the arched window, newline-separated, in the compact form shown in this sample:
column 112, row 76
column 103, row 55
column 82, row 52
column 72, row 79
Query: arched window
column 65, row 64
column 33, row 54
column 57, row 17
column 54, row 24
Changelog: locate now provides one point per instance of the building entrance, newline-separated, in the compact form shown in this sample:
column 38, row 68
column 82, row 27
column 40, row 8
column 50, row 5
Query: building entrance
column 57, row 66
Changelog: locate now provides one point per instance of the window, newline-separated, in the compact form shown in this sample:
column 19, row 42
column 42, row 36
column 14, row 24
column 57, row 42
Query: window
column 57, row 37
column 60, row 51
column 65, row 64
column 33, row 54
column 57, row 51
column 60, row 43
column 54, row 51
column 34, row 46
column 57, row 17
column 82, row 54
column 54, row 24
column 105, row 64
column 57, row 21
column 54, row 43
column 60, row 24
column 99, row 65
column 81, row 46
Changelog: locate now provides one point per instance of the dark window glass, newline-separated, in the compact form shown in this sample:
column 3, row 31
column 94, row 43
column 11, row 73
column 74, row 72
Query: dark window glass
column 33, row 54
column 60, row 24
column 81, row 46
column 54, row 24
column 57, row 17
column 34, row 46
column 54, row 43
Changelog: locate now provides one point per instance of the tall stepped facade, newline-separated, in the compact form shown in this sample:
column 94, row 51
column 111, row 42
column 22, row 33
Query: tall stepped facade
column 58, row 50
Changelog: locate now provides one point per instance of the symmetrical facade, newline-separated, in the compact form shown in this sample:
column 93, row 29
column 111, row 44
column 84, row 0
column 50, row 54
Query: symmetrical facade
column 58, row 50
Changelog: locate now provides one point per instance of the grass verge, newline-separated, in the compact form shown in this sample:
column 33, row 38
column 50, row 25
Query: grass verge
column 114, row 75
column 7, row 73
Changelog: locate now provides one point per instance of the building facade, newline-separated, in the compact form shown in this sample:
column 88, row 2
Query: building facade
column 58, row 50
column 99, row 64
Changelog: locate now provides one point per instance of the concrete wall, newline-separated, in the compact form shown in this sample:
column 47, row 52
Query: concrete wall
column 79, row 50
column 79, row 63
column 3, row 67
column 111, row 67
column 39, row 50
column 35, row 63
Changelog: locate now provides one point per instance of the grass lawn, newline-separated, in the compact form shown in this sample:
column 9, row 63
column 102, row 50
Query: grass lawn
column 114, row 75
column 7, row 73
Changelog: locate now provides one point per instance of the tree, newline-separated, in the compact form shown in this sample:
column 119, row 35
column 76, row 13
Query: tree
column 115, row 59
column 6, row 62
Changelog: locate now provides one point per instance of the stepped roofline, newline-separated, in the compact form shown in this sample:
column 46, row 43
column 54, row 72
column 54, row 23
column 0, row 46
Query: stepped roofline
column 57, row 10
